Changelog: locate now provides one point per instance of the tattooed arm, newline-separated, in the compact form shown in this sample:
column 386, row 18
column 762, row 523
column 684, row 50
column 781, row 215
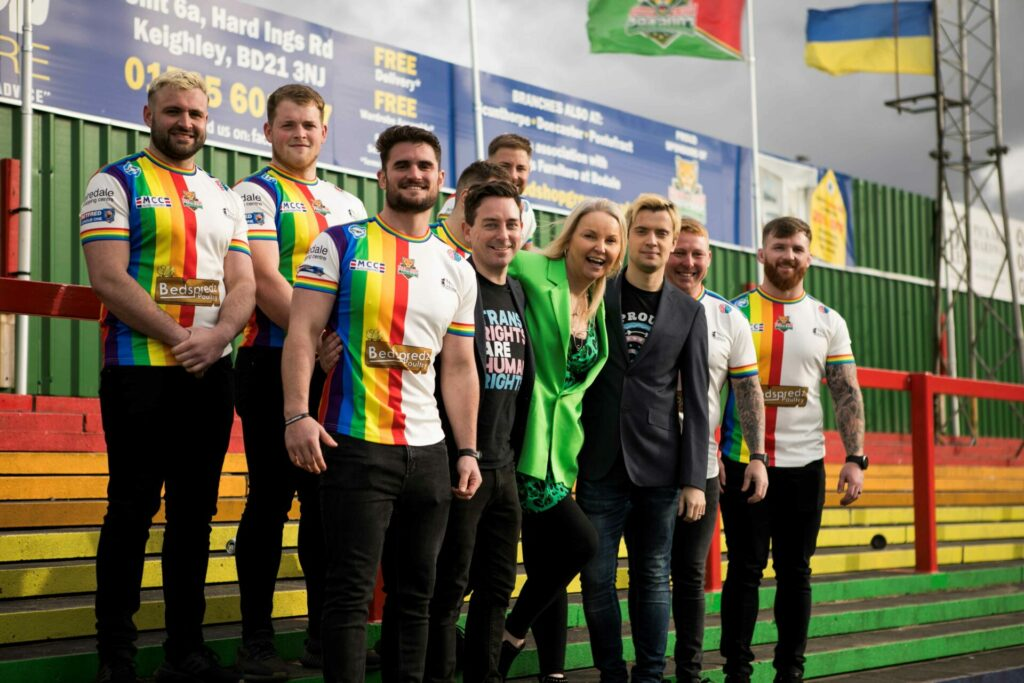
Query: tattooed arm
column 849, row 407
column 750, row 405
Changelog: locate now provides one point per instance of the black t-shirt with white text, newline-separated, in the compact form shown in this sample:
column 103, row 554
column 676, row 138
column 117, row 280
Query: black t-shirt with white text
column 505, row 340
column 638, row 310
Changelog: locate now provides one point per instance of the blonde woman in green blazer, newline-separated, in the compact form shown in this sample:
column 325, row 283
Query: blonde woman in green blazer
column 564, row 289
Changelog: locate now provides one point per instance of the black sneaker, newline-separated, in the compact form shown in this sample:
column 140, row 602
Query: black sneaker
column 260, row 662
column 313, row 654
column 202, row 666
column 117, row 672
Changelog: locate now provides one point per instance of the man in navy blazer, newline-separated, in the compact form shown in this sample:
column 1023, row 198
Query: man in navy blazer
column 639, row 467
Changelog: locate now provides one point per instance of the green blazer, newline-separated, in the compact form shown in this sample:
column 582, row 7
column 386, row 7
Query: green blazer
column 553, row 429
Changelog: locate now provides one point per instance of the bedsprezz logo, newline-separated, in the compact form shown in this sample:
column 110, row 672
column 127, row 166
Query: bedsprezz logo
column 782, row 396
column 379, row 353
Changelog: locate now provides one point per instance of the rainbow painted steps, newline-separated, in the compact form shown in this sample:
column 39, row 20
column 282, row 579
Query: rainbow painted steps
column 859, row 623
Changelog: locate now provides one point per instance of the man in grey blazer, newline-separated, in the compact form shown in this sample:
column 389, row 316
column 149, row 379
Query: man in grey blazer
column 639, row 467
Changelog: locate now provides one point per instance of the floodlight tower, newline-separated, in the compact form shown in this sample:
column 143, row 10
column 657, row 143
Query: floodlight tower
column 971, row 201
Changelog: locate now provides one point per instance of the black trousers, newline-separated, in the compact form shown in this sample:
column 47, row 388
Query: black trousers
column 273, row 483
column 556, row 545
column 789, row 518
column 689, row 559
column 381, row 502
column 164, row 428
column 479, row 552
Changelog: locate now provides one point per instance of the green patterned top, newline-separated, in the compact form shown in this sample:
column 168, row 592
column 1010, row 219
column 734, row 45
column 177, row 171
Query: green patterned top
column 536, row 495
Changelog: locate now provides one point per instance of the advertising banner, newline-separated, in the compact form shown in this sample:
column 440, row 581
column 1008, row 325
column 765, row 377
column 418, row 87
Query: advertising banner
column 95, row 58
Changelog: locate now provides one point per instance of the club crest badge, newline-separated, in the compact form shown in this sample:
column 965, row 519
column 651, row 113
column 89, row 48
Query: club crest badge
column 783, row 324
column 407, row 268
column 662, row 21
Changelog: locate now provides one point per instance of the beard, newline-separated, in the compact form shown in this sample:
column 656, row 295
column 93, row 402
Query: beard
column 162, row 140
column 781, row 282
column 397, row 202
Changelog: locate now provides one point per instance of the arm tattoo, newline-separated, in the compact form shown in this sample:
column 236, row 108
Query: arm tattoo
column 849, row 405
column 750, row 403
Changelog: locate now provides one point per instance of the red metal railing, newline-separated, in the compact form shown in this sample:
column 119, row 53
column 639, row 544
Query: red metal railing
column 75, row 301
column 923, row 388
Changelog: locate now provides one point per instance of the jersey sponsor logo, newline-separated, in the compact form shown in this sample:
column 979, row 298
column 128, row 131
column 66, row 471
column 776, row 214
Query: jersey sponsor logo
column 314, row 270
column 822, row 308
column 757, row 327
column 152, row 202
column 783, row 323
column 99, row 195
column 407, row 268
column 189, row 199
column 367, row 265
column 293, row 207
column 97, row 216
column 454, row 255
column 255, row 218
column 448, row 284
column 357, row 232
column 269, row 178
column 251, row 198
column 131, row 169
column 817, row 331
column 179, row 291
column 379, row 353
column 782, row 396
column 220, row 184
column 320, row 208
column 743, row 303
column 724, row 308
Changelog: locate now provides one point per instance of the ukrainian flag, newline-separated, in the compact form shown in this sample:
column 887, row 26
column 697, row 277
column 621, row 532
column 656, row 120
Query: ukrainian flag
column 871, row 38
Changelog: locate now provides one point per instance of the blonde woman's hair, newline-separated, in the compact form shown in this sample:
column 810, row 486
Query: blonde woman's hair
column 178, row 80
column 653, row 203
column 558, row 246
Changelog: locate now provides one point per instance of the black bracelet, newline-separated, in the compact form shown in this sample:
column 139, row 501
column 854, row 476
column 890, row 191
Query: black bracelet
column 471, row 452
column 295, row 418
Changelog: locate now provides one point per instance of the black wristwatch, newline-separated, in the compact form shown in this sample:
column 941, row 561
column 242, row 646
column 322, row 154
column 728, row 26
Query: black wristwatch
column 763, row 457
column 471, row 452
column 861, row 460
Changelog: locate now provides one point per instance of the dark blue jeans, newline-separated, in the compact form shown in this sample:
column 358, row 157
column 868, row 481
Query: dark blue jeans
column 789, row 518
column 381, row 502
column 164, row 428
column 479, row 552
column 689, row 559
column 646, row 516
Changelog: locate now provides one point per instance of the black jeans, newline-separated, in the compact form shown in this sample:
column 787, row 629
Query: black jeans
column 556, row 545
column 273, row 483
column 689, row 559
column 479, row 551
column 789, row 517
column 164, row 428
column 381, row 502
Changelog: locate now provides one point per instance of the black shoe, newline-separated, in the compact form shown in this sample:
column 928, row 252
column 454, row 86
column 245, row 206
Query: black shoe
column 122, row 671
column 509, row 652
column 460, row 647
column 372, row 660
column 313, row 654
column 260, row 662
column 202, row 666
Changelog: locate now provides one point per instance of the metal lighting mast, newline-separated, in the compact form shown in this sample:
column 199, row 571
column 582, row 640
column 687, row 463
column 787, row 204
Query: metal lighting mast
column 971, row 208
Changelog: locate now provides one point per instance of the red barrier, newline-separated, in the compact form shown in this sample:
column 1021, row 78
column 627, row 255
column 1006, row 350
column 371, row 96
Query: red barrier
column 10, row 199
column 923, row 388
column 74, row 301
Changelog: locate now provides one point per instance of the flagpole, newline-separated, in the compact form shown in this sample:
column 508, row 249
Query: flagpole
column 755, row 147
column 478, row 104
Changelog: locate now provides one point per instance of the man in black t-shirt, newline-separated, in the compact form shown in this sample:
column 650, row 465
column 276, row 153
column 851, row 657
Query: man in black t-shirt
column 480, row 542
column 639, row 469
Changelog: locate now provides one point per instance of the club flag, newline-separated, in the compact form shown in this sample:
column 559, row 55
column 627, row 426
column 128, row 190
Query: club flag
column 881, row 38
column 690, row 28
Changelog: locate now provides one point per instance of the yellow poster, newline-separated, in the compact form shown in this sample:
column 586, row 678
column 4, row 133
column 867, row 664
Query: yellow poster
column 828, row 221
